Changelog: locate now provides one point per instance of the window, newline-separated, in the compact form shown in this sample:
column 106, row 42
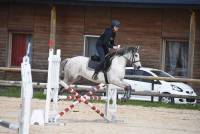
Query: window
column 18, row 45
column 90, row 45
column 141, row 72
column 138, row 72
column 129, row 72
column 176, row 58
column 160, row 73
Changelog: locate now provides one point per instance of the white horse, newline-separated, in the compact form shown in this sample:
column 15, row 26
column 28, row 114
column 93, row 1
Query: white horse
column 78, row 66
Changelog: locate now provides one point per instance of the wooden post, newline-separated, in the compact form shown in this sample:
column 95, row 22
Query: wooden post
column 152, row 89
column 191, row 43
column 53, row 28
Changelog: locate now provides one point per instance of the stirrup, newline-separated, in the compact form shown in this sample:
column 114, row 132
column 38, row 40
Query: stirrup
column 95, row 76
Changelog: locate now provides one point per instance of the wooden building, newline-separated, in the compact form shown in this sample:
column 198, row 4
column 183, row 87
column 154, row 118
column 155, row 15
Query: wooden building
column 168, row 32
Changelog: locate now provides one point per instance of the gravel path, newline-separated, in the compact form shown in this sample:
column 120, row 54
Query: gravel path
column 131, row 119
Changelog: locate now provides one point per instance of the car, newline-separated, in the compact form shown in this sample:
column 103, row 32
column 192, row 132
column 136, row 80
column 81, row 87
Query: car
column 160, row 86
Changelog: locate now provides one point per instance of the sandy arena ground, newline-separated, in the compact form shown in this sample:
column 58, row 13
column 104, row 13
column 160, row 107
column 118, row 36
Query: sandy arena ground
column 131, row 119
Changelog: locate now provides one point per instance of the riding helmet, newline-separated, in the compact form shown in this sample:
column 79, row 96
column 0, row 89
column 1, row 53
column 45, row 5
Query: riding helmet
column 115, row 23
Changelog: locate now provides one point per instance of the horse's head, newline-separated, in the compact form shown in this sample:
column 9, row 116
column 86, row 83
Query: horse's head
column 136, row 58
column 132, row 55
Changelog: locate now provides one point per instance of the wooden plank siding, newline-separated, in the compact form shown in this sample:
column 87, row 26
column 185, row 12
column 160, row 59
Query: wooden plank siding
column 196, row 66
column 3, row 37
column 144, row 26
column 41, row 37
column 176, row 23
column 96, row 20
column 20, row 18
column 141, row 26
column 70, row 30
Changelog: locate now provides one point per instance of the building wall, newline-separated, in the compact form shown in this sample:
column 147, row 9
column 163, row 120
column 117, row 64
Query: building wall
column 3, row 37
column 70, row 30
column 196, row 71
column 33, row 20
column 141, row 27
column 196, row 67
column 3, row 34
column 146, row 27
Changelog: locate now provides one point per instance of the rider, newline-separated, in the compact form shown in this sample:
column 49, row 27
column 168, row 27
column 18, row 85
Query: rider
column 104, row 42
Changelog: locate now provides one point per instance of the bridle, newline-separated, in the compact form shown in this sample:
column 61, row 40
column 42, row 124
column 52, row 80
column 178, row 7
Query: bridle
column 132, row 60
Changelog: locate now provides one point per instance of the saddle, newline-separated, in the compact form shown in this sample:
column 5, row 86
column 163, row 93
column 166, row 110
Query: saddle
column 95, row 61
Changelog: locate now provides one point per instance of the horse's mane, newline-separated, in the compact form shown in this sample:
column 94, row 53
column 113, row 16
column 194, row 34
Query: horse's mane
column 124, row 50
column 121, row 51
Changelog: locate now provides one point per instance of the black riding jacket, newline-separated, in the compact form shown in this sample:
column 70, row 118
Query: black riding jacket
column 107, row 39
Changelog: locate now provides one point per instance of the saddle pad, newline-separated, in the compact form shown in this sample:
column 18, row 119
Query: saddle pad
column 93, row 64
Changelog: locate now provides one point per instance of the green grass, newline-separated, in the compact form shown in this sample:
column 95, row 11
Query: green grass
column 159, row 104
column 155, row 104
column 16, row 91
column 10, row 91
column 39, row 95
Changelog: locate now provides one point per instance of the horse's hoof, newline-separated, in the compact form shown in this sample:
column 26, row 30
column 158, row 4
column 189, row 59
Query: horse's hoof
column 123, row 99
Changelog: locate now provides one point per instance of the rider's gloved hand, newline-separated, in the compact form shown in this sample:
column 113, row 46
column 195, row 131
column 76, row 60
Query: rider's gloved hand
column 116, row 47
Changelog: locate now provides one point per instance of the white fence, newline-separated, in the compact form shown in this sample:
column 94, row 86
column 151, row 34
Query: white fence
column 26, row 97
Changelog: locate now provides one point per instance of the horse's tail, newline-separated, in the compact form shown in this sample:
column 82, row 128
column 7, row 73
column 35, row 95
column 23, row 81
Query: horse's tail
column 62, row 66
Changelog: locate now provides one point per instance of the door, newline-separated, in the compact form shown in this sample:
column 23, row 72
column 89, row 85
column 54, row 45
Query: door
column 18, row 49
column 139, row 84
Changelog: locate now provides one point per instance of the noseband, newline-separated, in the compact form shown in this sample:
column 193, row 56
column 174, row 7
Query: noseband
column 132, row 61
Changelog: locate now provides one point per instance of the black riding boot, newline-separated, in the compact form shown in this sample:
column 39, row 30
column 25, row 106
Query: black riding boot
column 97, row 70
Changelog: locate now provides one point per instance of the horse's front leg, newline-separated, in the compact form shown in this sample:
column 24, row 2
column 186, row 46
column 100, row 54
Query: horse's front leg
column 127, row 88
